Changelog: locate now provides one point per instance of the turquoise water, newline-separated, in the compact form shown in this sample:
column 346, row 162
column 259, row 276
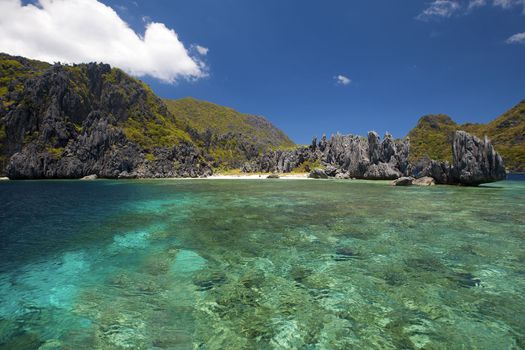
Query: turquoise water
column 266, row 264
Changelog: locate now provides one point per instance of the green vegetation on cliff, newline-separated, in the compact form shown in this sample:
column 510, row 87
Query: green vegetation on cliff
column 432, row 137
column 14, row 71
column 433, row 134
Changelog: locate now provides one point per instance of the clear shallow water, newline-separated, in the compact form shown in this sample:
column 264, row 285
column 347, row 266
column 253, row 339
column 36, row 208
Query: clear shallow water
column 261, row 264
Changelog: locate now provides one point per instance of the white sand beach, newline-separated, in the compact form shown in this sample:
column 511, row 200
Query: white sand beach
column 257, row 176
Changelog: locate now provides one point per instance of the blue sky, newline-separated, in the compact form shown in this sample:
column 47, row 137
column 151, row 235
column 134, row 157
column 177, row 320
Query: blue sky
column 405, row 58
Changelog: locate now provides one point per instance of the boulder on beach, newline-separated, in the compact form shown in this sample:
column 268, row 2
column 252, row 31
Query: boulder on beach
column 90, row 177
column 342, row 176
column 318, row 174
column 424, row 181
column 272, row 176
column 403, row 181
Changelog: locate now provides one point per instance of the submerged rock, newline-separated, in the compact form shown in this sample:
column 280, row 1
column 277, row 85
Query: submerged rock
column 344, row 253
column 465, row 280
column 208, row 279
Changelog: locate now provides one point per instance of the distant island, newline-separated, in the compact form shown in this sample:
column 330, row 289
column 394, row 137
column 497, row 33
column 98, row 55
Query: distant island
column 72, row 121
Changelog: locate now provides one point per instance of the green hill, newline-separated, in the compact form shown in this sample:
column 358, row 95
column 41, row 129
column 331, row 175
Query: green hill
column 433, row 133
column 229, row 136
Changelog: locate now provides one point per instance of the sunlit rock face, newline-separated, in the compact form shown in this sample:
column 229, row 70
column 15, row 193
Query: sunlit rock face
column 353, row 156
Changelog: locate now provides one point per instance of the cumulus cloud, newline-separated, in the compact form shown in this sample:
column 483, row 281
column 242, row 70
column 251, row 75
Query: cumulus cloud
column 518, row 38
column 77, row 31
column 342, row 80
column 439, row 9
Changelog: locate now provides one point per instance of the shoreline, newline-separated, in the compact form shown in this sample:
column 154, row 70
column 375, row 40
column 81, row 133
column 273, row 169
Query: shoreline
column 242, row 176
column 257, row 177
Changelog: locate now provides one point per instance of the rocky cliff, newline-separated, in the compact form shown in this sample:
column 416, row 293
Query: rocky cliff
column 346, row 156
column 73, row 121
column 61, row 121
column 434, row 133
column 474, row 162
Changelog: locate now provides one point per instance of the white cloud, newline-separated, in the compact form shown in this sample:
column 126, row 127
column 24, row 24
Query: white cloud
column 76, row 31
column 476, row 3
column 342, row 80
column 507, row 4
column 202, row 50
column 439, row 9
column 518, row 38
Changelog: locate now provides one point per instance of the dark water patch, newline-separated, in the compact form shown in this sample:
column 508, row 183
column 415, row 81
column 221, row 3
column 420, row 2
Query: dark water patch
column 208, row 279
column 426, row 263
column 465, row 280
column 394, row 278
column 345, row 253
column 516, row 177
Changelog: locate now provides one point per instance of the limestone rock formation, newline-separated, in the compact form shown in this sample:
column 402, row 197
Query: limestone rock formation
column 346, row 156
column 74, row 121
column 352, row 156
column 475, row 161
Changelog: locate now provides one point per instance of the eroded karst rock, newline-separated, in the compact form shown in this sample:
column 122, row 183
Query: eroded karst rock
column 347, row 156
column 475, row 161
column 74, row 121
